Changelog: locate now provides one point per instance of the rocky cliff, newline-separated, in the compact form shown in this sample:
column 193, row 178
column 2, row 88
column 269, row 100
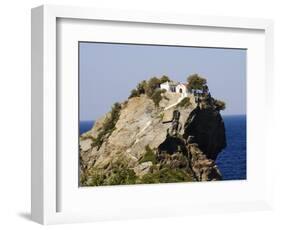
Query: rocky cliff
column 138, row 141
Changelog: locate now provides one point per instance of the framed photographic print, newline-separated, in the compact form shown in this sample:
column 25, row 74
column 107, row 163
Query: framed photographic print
column 145, row 114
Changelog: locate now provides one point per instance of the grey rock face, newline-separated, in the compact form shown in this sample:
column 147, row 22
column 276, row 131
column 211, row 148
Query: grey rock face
column 190, row 152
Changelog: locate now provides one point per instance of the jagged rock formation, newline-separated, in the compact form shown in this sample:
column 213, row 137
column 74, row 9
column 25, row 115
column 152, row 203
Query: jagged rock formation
column 133, row 143
column 206, row 126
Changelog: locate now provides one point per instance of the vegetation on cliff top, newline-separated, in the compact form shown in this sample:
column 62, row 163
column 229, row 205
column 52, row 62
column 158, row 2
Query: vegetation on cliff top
column 196, row 82
column 151, row 88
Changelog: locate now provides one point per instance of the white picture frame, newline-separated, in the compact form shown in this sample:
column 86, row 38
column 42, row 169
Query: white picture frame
column 45, row 206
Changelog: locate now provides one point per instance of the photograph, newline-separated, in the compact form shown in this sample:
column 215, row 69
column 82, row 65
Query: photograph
column 153, row 113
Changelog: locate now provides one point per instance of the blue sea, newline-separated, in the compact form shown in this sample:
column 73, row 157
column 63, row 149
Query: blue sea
column 232, row 160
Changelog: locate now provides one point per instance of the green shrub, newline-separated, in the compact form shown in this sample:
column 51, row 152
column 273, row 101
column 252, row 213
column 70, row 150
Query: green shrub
column 124, row 176
column 165, row 175
column 148, row 156
column 96, row 178
column 185, row 102
column 134, row 93
column 157, row 97
column 141, row 87
column 161, row 116
column 196, row 82
column 150, row 178
column 117, row 175
column 168, row 175
column 83, row 179
column 164, row 78
column 151, row 88
column 121, row 176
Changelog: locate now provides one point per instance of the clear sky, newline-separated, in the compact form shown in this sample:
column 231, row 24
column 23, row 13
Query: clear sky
column 108, row 72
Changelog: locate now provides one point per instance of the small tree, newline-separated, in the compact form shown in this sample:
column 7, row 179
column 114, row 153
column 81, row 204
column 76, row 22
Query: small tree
column 134, row 93
column 151, row 86
column 156, row 97
column 164, row 78
column 141, row 87
column 195, row 82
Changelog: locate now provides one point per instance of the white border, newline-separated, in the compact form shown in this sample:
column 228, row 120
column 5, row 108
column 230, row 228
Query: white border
column 70, row 32
column 44, row 107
